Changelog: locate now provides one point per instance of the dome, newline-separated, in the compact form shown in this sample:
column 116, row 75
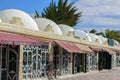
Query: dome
column 116, row 42
column 94, row 38
column 103, row 39
column 19, row 18
column 48, row 25
column 65, row 29
column 82, row 34
column 0, row 20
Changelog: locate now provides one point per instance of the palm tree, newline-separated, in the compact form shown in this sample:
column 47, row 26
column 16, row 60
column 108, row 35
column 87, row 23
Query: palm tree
column 92, row 31
column 62, row 13
column 112, row 35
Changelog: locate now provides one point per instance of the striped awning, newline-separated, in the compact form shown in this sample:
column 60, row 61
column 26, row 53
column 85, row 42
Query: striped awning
column 17, row 39
column 85, row 48
column 110, row 51
column 95, row 48
column 69, row 46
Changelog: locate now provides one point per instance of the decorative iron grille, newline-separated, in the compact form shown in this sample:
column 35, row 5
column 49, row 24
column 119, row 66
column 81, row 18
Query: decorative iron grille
column 35, row 61
column 93, row 62
column 66, row 62
column 118, row 59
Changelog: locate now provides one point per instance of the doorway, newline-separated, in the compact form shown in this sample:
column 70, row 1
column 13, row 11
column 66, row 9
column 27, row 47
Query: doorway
column 9, row 60
column 104, row 60
column 79, row 64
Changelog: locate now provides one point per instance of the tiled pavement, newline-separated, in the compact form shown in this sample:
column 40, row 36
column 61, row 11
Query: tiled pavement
column 113, row 74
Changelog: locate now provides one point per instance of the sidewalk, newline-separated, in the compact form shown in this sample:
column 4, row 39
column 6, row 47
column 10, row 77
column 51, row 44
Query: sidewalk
column 113, row 74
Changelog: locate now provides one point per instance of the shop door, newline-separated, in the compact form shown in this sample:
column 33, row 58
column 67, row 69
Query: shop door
column 104, row 61
column 79, row 63
column 9, row 66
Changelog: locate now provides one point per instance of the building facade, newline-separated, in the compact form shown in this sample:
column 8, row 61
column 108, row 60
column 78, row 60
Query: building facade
column 28, row 47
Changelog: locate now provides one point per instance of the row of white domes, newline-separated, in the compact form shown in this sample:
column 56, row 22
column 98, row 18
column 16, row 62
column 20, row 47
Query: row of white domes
column 21, row 18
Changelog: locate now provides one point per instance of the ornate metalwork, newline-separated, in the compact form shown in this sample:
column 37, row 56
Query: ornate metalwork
column 93, row 62
column 75, row 64
column 35, row 60
column 56, row 58
column 9, row 62
column 118, row 59
column 113, row 60
column 66, row 63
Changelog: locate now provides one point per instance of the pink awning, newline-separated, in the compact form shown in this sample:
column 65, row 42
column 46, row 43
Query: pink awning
column 85, row 48
column 17, row 39
column 68, row 46
column 116, row 50
column 110, row 51
column 95, row 48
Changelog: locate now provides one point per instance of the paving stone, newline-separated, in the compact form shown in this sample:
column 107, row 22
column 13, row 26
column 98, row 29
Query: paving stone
column 102, row 75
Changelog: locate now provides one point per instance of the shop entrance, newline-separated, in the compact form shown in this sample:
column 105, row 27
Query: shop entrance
column 79, row 63
column 104, row 60
column 9, row 61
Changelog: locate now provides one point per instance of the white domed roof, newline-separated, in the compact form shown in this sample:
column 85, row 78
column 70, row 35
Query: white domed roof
column 18, row 17
column 116, row 42
column 94, row 38
column 103, row 39
column 43, row 23
column 0, row 20
column 65, row 29
column 82, row 34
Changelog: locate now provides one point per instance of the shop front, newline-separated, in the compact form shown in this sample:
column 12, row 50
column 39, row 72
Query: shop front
column 117, row 59
column 35, row 61
column 63, row 57
column 93, row 61
column 106, row 59
column 15, row 59
column 79, row 63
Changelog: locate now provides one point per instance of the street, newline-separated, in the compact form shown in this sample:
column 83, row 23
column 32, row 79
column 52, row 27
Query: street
column 113, row 74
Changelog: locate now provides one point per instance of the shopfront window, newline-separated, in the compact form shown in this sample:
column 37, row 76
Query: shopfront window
column 35, row 60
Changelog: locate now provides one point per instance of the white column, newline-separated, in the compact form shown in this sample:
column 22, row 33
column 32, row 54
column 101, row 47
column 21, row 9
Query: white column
column 20, row 63
column 114, row 60
column 97, row 59
column 50, row 52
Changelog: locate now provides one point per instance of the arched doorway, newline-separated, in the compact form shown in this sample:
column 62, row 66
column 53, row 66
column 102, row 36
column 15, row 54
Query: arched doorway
column 9, row 61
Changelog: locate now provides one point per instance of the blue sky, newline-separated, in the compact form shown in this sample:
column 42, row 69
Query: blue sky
column 97, row 14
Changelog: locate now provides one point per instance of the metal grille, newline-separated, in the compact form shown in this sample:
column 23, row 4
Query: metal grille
column 118, row 59
column 66, row 63
column 93, row 62
column 35, row 60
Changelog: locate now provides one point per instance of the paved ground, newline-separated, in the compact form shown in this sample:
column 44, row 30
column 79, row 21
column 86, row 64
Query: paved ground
column 102, row 75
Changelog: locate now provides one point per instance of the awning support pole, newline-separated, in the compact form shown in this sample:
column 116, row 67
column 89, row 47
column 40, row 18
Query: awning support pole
column 20, row 63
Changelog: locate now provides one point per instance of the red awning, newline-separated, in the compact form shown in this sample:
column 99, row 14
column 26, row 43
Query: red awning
column 17, row 39
column 110, row 51
column 116, row 50
column 94, row 48
column 85, row 48
column 68, row 46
